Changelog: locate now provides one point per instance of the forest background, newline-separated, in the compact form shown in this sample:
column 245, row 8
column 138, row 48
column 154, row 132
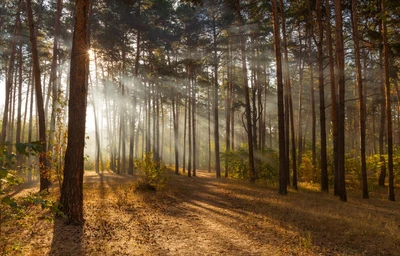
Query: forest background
column 280, row 92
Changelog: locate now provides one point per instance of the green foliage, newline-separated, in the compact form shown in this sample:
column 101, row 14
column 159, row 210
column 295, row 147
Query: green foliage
column 237, row 162
column 268, row 166
column 7, row 166
column 153, row 171
column 13, row 209
column 307, row 170
column 266, row 163
column 28, row 149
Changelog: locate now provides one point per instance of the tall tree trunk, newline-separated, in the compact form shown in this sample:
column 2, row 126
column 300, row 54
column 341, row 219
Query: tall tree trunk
column 251, row 167
column 53, row 82
column 341, row 107
column 299, row 109
column 72, row 189
column 176, row 139
column 333, row 94
column 30, row 123
column 324, row 161
column 215, row 103
column 19, row 121
column 313, row 114
column 228, row 111
column 388, row 106
column 43, row 163
column 10, row 74
column 281, row 116
column 382, row 126
column 194, row 128
column 286, row 85
column 361, row 97
column 209, row 127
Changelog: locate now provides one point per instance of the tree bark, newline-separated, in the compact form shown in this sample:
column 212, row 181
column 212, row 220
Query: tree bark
column 215, row 104
column 72, row 188
column 341, row 107
column 388, row 106
column 361, row 97
column 251, row 167
column 43, row 163
column 281, row 116
column 324, row 163
column 9, row 78
column 333, row 93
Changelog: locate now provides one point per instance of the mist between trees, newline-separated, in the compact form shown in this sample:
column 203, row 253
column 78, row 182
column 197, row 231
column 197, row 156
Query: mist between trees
column 280, row 91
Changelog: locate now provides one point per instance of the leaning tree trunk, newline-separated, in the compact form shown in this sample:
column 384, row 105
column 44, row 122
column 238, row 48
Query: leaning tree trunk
column 43, row 163
column 72, row 189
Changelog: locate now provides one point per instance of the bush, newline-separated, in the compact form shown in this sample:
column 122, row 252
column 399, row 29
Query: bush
column 266, row 163
column 307, row 171
column 153, row 171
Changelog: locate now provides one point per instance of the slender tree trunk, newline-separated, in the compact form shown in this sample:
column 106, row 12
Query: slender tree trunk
column 281, row 115
column 176, row 139
column 299, row 109
column 361, row 97
column 324, row 161
column 43, row 163
column 228, row 112
column 382, row 126
column 215, row 103
column 251, row 167
column 194, row 127
column 30, row 124
column 27, row 100
column 9, row 78
column 286, row 85
column 313, row 114
column 388, row 106
column 19, row 115
column 333, row 95
column 209, row 128
column 341, row 106
column 53, row 82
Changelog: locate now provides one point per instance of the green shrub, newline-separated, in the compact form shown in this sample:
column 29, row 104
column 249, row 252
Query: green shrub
column 307, row 171
column 153, row 173
column 266, row 164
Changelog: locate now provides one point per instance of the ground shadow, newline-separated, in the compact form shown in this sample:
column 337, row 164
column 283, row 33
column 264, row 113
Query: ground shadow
column 67, row 239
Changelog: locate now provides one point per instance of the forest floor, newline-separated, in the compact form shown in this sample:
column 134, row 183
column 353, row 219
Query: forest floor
column 207, row 216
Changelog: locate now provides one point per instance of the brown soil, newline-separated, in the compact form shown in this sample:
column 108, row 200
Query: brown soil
column 208, row 216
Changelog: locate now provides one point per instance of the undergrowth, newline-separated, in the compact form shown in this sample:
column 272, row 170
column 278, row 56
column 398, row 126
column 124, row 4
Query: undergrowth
column 154, row 178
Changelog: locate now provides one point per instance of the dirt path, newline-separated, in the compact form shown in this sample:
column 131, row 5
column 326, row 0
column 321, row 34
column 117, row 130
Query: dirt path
column 208, row 216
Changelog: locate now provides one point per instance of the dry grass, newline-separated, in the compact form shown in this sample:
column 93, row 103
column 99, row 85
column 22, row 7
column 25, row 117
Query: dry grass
column 207, row 216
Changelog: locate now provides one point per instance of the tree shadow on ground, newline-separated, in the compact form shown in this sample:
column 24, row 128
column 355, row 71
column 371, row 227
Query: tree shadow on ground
column 67, row 239
column 310, row 220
